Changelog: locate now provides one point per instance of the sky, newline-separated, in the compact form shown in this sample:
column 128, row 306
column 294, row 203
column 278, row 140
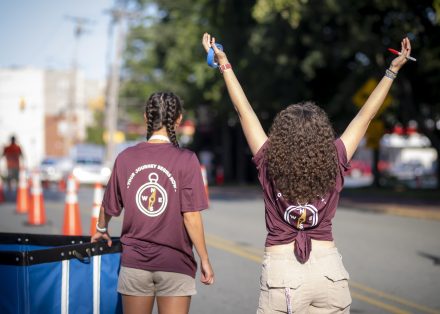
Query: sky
column 37, row 33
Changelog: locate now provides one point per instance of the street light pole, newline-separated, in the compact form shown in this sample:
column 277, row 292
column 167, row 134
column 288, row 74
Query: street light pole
column 113, row 85
column 119, row 15
column 79, row 22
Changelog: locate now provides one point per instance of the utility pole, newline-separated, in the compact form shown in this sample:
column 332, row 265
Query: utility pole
column 119, row 15
column 79, row 30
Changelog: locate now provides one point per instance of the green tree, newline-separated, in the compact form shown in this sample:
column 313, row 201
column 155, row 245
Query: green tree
column 96, row 131
column 344, row 43
column 285, row 51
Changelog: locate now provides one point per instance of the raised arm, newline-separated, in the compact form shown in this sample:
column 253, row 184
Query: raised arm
column 358, row 126
column 252, row 128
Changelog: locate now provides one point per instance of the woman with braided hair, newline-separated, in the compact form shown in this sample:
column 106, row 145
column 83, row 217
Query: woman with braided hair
column 300, row 166
column 160, row 187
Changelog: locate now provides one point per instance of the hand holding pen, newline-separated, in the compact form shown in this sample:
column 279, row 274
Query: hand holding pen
column 394, row 51
column 403, row 57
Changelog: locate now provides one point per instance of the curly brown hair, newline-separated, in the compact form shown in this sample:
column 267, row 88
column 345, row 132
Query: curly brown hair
column 301, row 155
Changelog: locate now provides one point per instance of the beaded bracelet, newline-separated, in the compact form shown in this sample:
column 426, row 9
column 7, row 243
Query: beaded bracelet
column 224, row 67
column 390, row 74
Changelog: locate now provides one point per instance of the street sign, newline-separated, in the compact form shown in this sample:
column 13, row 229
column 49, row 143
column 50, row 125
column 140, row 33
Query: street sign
column 374, row 133
column 118, row 137
column 361, row 96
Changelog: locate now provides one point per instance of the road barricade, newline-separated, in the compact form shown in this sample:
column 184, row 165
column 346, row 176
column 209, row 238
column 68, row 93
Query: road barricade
column 58, row 274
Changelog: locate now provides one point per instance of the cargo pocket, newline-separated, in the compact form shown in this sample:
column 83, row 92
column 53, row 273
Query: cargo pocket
column 283, row 284
column 338, row 289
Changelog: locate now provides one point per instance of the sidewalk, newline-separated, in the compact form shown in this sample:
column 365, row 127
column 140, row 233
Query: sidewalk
column 411, row 203
column 423, row 204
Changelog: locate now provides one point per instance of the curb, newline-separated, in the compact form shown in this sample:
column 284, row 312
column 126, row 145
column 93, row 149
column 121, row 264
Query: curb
column 430, row 213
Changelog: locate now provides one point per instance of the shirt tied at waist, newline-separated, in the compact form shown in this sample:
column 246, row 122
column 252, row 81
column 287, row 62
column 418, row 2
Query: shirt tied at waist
column 303, row 246
column 303, row 240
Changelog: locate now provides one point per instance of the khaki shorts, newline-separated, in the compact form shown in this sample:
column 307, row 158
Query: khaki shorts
column 138, row 282
column 318, row 286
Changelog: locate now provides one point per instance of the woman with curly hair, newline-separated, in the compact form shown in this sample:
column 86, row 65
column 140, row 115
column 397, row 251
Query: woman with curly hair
column 300, row 166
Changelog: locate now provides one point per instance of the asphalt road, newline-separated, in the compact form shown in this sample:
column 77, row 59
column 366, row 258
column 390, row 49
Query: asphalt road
column 394, row 262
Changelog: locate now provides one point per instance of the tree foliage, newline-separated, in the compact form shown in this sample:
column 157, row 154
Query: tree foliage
column 285, row 51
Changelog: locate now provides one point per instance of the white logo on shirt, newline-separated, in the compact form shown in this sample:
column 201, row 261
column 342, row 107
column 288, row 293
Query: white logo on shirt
column 300, row 215
column 151, row 197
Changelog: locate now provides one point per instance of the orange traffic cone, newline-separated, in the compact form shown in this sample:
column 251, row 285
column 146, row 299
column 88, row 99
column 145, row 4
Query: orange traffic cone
column 205, row 181
column 2, row 193
column 36, row 213
column 23, row 200
column 72, row 218
column 97, row 200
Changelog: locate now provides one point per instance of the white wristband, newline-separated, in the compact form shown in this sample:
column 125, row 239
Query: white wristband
column 102, row 230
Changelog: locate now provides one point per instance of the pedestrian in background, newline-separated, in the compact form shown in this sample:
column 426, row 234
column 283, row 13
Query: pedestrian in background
column 160, row 187
column 12, row 154
column 301, row 167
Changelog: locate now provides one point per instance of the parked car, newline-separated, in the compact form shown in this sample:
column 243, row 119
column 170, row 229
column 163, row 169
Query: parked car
column 359, row 168
column 408, row 171
column 54, row 169
column 89, row 170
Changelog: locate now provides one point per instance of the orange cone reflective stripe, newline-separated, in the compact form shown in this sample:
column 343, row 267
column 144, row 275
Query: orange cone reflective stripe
column 72, row 218
column 23, row 201
column 97, row 200
column 37, row 212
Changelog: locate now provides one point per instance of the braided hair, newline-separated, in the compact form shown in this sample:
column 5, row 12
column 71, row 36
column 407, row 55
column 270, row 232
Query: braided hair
column 163, row 109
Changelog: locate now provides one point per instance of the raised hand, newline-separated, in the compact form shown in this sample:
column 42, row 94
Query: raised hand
column 405, row 52
column 208, row 42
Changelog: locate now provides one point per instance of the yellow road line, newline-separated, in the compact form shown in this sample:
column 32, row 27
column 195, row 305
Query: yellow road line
column 255, row 255
column 389, row 308
column 232, row 248
column 391, row 297
column 248, row 249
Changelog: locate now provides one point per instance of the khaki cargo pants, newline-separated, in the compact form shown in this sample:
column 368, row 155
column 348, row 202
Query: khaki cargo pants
column 316, row 287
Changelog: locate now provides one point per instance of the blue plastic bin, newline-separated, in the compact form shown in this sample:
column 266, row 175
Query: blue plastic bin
column 58, row 274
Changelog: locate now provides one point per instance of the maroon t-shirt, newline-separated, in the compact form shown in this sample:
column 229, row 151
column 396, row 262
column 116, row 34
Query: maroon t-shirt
column 286, row 222
column 156, row 184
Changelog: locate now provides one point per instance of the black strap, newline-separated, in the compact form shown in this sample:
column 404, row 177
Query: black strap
column 81, row 251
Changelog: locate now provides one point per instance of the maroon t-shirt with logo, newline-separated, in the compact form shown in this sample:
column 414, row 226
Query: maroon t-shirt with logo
column 155, row 184
column 286, row 222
